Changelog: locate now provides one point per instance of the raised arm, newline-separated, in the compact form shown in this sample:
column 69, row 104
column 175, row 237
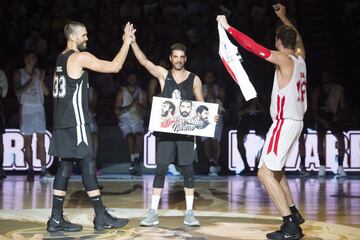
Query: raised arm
column 280, row 11
column 155, row 70
column 244, row 40
column 89, row 61
column 276, row 57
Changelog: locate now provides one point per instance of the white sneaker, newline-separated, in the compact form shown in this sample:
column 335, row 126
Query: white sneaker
column 150, row 219
column 341, row 172
column 322, row 171
column 190, row 219
column 172, row 170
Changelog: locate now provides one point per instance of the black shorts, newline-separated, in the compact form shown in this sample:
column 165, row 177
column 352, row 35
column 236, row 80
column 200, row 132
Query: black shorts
column 63, row 143
column 167, row 151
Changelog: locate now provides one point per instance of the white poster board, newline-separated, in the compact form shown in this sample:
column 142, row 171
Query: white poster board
column 183, row 117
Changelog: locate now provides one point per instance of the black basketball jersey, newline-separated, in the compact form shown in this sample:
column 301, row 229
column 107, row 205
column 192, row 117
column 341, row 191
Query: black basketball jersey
column 70, row 96
column 183, row 91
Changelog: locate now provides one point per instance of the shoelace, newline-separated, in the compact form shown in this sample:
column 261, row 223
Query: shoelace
column 67, row 220
column 108, row 215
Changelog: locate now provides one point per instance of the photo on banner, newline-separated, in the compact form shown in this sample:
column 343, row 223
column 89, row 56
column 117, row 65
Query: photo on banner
column 183, row 117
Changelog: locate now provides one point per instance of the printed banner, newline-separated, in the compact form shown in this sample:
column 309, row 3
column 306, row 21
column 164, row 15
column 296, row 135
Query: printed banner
column 183, row 117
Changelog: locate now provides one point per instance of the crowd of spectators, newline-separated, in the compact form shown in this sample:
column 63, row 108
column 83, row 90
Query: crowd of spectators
column 38, row 25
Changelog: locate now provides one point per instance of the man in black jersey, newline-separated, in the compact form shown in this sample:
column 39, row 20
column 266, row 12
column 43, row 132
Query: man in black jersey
column 182, row 84
column 71, row 138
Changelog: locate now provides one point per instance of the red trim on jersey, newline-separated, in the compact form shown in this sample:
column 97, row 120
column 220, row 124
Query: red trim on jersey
column 249, row 44
column 279, row 123
column 228, row 68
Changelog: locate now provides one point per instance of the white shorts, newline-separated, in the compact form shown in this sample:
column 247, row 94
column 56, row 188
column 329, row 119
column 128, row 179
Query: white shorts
column 131, row 125
column 280, row 139
column 32, row 120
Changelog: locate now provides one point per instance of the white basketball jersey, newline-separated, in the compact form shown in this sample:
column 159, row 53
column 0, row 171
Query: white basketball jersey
column 34, row 95
column 290, row 102
column 128, row 98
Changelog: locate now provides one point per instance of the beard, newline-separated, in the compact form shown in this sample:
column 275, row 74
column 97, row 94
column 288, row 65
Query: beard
column 164, row 114
column 81, row 46
column 184, row 114
column 178, row 66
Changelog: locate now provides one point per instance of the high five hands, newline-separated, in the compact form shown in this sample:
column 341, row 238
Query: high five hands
column 129, row 33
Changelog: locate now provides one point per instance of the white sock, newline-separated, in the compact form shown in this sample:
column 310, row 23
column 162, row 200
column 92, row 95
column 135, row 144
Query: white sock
column 189, row 202
column 132, row 157
column 136, row 155
column 155, row 199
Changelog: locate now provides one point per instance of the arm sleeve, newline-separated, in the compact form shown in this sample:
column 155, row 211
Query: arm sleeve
column 249, row 44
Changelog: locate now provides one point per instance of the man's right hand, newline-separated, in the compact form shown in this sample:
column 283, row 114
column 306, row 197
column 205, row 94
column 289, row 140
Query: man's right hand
column 223, row 21
column 128, row 30
column 281, row 12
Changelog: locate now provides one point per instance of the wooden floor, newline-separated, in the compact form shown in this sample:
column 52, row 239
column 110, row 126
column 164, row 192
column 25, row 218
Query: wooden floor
column 232, row 207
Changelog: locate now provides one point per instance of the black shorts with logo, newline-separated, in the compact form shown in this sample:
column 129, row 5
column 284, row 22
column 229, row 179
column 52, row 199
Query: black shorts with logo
column 63, row 143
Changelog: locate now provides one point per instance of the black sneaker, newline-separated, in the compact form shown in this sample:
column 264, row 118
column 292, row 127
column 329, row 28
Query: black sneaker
column 298, row 218
column 30, row 175
column 107, row 221
column 61, row 223
column 288, row 231
column 246, row 172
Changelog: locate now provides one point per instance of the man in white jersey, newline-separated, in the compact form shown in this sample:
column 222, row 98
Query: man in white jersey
column 30, row 89
column 130, row 107
column 288, row 105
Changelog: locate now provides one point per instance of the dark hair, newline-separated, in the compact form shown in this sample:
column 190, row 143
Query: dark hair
column 171, row 106
column 287, row 35
column 177, row 46
column 189, row 101
column 27, row 53
column 201, row 108
column 70, row 28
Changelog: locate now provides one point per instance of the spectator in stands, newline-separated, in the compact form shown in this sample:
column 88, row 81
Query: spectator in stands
column 328, row 104
column 213, row 93
column 130, row 107
column 30, row 88
column 3, row 92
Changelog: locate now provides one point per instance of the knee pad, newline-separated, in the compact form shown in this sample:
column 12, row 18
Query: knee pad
column 161, row 171
column 88, row 170
column 188, row 175
column 65, row 168
column 63, row 174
